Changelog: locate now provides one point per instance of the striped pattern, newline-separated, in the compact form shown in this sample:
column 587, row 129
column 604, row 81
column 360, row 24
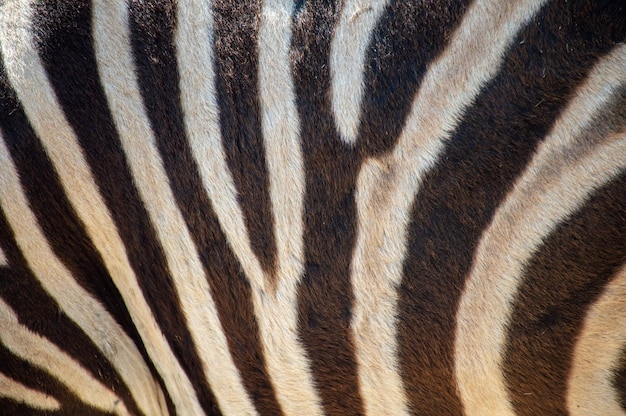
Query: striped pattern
column 272, row 207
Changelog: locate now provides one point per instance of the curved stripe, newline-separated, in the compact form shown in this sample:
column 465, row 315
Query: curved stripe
column 43, row 354
column 112, row 44
column 347, row 59
column 58, row 282
column 276, row 311
column 18, row 392
column 557, row 181
column 194, row 42
column 387, row 187
column 48, row 121
column 598, row 353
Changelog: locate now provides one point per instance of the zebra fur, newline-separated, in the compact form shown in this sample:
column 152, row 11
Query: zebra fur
column 303, row 208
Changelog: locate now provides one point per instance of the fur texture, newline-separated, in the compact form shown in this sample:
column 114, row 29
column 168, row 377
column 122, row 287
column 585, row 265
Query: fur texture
column 273, row 207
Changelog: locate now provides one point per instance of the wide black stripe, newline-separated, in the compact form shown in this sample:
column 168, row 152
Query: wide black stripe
column 66, row 237
column 236, row 81
column 152, row 36
column 36, row 379
column 546, row 62
column 409, row 36
column 564, row 277
column 325, row 297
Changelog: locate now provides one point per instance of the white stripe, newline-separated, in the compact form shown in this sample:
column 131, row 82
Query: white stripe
column 557, row 181
column 277, row 311
column 115, row 64
column 3, row 258
column 28, row 77
column 43, row 354
column 194, row 42
column 598, row 353
column 75, row 302
column 386, row 189
column 347, row 59
column 18, row 392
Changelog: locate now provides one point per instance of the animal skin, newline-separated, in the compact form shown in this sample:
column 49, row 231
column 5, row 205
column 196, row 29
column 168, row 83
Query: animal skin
column 365, row 207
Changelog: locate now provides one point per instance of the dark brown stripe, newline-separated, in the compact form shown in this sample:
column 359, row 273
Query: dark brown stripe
column 36, row 379
column 325, row 297
column 457, row 200
column 65, row 44
column 409, row 36
column 619, row 381
column 66, row 237
column 561, row 282
column 236, row 81
column 153, row 42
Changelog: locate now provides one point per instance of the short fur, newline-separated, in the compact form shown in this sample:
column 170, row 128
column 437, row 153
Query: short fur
column 312, row 207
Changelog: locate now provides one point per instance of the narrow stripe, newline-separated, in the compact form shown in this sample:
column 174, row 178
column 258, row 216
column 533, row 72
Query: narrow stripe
column 11, row 389
column 199, row 100
column 3, row 258
column 598, row 353
column 557, row 181
column 324, row 296
column 43, row 111
column 65, row 46
column 348, row 47
column 121, row 88
column 194, row 42
column 387, row 186
column 43, row 354
column 153, row 32
column 235, row 26
column 56, row 280
column 278, row 314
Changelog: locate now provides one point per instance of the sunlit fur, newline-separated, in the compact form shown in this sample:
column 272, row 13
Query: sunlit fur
column 278, row 207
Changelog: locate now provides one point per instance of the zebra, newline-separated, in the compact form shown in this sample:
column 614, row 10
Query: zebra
column 279, row 207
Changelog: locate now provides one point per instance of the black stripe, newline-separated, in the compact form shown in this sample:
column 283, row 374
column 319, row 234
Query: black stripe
column 43, row 316
column 547, row 61
column 563, row 279
column 152, row 37
column 13, row 408
column 325, row 297
column 65, row 46
column 66, row 237
column 36, row 379
column 236, row 81
column 409, row 36
column 619, row 380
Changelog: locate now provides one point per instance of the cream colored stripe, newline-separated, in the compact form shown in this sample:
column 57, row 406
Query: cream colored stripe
column 277, row 311
column 386, row 189
column 18, row 392
column 116, row 68
column 3, row 258
column 597, row 354
column 28, row 77
column 194, row 42
column 75, row 302
column 347, row 59
column 41, row 353
column 557, row 182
